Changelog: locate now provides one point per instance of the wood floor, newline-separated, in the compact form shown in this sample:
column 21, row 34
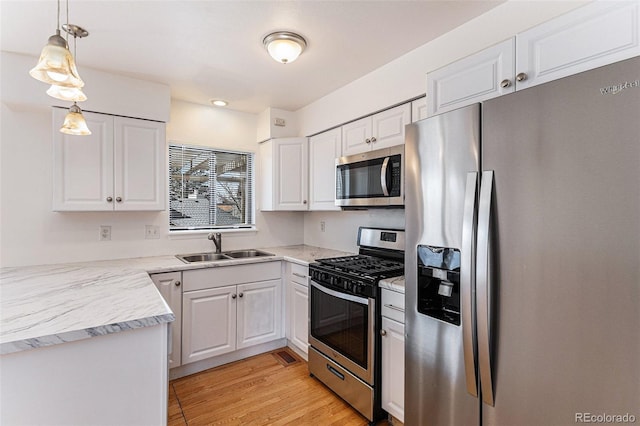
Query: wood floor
column 261, row 390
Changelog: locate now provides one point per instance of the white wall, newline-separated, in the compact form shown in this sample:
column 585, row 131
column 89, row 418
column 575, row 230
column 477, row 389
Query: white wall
column 32, row 234
column 398, row 81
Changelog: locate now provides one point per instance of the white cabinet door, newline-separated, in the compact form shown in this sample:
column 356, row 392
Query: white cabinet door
column 139, row 162
column 209, row 323
column 387, row 127
column 323, row 151
column 356, row 137
column 284, row 166
column 481, row 76
column 300, row 316
column 597, row 34
column 377, row 131
column 120, row 166
column 259, row 312
column 83, row 165
column 419, row 109
column 170, row 287
column 393, row 368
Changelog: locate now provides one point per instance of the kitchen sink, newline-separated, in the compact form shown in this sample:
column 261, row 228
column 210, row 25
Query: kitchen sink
column 238, row 254
column 201, row 257
column 229, row 255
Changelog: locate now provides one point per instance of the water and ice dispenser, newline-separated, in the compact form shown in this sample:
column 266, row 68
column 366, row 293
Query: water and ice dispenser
column 439, row 283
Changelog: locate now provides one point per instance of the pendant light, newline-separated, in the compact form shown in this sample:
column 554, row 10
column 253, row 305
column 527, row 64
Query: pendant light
column 56, row 64
column 72, row 94
column 74, row 122
column 284, row 46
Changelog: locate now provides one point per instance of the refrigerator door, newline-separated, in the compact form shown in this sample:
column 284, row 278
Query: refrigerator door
column 566, row 229
column 440, row 151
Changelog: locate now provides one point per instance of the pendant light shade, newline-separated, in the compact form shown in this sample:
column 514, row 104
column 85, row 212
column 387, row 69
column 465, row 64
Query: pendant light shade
column 56, row 64
column 284, row 46
column 71, row 94
column 74, row 123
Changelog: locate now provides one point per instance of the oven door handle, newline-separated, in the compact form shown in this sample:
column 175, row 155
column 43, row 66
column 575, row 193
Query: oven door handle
column 339, row 295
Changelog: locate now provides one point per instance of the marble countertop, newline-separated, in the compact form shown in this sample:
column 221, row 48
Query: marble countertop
column 393, row 284
column 51, row 304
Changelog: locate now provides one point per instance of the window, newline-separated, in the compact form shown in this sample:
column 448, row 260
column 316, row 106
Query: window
column 210, row 188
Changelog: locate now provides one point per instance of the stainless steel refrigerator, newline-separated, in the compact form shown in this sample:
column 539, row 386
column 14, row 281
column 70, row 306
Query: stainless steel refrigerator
column 522, row 262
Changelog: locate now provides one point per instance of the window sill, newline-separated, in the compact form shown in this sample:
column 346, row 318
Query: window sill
column 198, row 233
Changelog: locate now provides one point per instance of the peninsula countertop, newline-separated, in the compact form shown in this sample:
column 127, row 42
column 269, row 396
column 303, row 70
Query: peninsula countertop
column 51, row 304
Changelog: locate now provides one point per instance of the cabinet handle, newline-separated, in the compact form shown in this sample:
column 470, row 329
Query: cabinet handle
column 367, row 140
column 233, row 296
column 177, row 283
column 383, row 332
column 109, row 199
column 505, row 83
column 304, row 202
column 521, row 77
column 241, row 294
column 373, row 139
column 119, row 199
column 299, row 275
column 387, row 305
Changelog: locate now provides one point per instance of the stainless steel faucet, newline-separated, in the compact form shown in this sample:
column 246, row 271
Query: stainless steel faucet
column 216, row 237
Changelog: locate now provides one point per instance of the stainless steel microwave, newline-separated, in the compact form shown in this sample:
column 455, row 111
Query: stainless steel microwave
column 371, row 179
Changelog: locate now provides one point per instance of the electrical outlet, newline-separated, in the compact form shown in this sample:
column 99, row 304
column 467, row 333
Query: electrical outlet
column 151, row 232
column 322, row 226
column 105, row 233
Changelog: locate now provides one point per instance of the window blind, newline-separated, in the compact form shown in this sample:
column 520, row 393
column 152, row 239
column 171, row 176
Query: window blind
column 210, row 188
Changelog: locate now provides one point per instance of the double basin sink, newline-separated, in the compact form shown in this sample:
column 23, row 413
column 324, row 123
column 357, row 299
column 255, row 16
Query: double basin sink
column 229, row 255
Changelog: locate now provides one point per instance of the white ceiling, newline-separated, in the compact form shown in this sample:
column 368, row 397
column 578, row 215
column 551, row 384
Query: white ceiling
column 213, row 49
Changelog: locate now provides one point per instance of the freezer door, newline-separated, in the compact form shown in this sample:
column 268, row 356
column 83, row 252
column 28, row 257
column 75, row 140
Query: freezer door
column 439, row 379
column 565, row 292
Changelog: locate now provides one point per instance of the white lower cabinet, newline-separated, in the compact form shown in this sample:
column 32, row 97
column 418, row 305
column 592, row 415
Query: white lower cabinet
column 170, row 287
column 298, row 307
column 393, row 353
column 230, row 308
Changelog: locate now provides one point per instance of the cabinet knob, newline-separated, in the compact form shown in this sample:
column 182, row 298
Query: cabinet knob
column 109, row 199
column 367, row 140
column 304, row 202
column 233, row 296
column 505, row 83
column 177, row 283
column 383, row 332
column 241, row 294
column 373, row 140
column 119, row 199
column 521, row 77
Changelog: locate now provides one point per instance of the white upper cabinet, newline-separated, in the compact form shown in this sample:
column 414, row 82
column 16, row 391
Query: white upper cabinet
column 323, row 151
column 120, row 166
column 377, row 131
column 481, row 76
column 284, row 174
column 419, row 109
column 597, row 34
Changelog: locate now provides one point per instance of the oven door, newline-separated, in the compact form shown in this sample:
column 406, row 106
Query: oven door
column 342, row 328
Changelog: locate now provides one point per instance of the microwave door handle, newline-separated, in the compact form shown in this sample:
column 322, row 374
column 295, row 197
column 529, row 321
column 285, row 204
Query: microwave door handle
column 383, row 176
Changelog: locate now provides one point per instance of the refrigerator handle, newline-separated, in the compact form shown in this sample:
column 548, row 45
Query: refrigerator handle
column 467, row 284
column 483, row 287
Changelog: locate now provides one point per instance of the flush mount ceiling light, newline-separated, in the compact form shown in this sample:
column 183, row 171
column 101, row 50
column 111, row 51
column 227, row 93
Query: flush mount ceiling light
column 219, row 102
column 56, row 64
column 284, row 46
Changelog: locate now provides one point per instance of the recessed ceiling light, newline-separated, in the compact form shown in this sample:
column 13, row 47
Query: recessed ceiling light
column 219, row 102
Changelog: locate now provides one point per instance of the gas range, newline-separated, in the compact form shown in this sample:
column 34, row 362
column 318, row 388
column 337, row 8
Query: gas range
column 358, row 274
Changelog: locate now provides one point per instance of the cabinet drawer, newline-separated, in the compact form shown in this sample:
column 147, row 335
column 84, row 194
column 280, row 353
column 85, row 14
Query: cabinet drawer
column 299, row 274
column 393, row 305
column 199, row 279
